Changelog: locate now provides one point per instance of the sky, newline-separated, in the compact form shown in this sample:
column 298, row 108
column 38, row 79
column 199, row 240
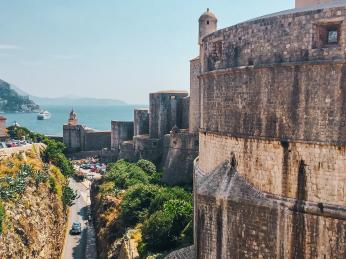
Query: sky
column 109, row 48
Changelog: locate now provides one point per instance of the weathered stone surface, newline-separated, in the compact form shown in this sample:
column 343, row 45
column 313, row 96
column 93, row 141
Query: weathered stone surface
column 235, row 220
column 164, row 113
column 183, row 149
column 195, row 112
column 141, row 122
column 184, row 253
column 272, row 103
column 80, row 138
column 281, row 38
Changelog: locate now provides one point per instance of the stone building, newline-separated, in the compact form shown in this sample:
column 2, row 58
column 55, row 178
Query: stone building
column 270, row 180
column 79, row 138
column 160, row 134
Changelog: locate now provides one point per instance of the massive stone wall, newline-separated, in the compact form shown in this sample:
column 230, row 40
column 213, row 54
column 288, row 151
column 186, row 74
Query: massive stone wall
column 71, row 137
column 194, row 116
column 164, row 113
column 235, row 220
column 121, row 131
column 288, row 37
column 273, row 166
column 141, row 122
column 147, row 148
column 183, row 110
column 272, row 103
column 292, row 102
column 183, row 149
column 97, row 140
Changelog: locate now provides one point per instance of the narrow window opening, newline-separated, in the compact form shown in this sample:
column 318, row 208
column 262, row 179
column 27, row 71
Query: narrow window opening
column 208, row 22
column 332, row 36
column 328, row 35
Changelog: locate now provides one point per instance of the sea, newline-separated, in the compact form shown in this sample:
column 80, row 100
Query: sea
column 96, row 117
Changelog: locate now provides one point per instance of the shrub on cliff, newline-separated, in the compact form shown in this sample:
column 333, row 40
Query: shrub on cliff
column 166, row 194
column 147, row 166
column 136, row 203
column 163, row 213
column 125, row 175
column 54, row 154
column 164, row 229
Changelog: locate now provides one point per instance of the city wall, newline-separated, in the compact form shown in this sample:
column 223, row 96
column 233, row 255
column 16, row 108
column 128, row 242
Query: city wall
column 291, row 36
column 183, row 149
column 235, row 220
column 293, row 102
column 270, row 179
column 97, row 140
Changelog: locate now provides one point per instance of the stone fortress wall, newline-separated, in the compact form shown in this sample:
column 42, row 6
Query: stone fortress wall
column 270, row 179
column 295, row 36
column 154, row 135
column 78, row 138
column 160, row 134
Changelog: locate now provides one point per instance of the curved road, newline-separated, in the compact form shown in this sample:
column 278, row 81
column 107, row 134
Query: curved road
column 81, row 246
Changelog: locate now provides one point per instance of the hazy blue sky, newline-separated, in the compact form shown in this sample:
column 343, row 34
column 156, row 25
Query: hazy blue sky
column 109, row 48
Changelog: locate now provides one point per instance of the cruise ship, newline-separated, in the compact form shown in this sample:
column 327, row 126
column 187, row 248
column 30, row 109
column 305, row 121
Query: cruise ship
column 43, row 115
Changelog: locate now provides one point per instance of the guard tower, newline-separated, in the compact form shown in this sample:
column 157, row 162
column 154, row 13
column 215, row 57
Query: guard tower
column 72, row 121
column 207, row 24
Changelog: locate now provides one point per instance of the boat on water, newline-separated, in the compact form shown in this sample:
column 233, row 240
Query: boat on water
column 43, row 115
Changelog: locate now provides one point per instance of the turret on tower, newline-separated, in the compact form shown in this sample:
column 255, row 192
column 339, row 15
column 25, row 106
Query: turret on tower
column 73, row 118
column 207, row 24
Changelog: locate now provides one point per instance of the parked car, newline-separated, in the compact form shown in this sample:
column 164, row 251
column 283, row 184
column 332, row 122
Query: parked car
column 76, row 228
column 85, row 166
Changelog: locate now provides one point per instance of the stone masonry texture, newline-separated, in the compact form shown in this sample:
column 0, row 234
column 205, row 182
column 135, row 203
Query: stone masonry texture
column 270, row 179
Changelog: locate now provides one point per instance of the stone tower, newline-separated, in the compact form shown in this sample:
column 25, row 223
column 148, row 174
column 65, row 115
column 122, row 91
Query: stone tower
column 73, row 118
column 207, row 24
column 305, row 3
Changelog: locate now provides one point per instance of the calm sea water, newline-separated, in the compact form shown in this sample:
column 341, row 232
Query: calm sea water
column 96, row 117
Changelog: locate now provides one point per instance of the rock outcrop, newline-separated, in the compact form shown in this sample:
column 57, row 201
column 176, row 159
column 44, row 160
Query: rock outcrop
column 32, row 214
column 34, row 226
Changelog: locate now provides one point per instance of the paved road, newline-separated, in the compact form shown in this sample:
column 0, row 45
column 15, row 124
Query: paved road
column 80, row 246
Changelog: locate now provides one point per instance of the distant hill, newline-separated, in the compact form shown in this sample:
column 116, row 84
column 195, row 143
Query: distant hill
column 12, row 101
column 69, row 100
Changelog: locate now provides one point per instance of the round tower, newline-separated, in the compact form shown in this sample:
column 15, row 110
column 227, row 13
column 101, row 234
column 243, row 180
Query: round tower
column 207, row 24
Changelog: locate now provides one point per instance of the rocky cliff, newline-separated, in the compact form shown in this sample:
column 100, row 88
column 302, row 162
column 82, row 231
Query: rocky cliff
column 32, row 214
column 109, row 227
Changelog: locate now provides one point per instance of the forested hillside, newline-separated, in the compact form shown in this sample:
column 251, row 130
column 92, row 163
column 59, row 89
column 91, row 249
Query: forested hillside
column 11, row 101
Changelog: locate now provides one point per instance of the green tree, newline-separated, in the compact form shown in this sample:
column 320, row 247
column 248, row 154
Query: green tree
column 68, row 195
column 147, row 166
column 136, row 202
column 167, row 227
